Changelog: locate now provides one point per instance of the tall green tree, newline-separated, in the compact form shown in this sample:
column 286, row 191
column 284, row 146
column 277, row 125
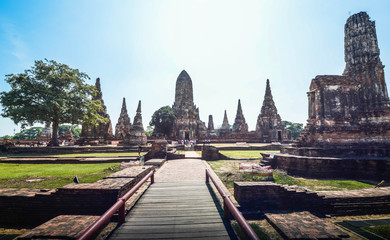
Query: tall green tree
column 162, row 121
column 295, row 128
column 50, row 93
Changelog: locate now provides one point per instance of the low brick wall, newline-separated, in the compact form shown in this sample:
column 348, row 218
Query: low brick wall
column 268, row 196
column 73, row 149
column 31, row 207
column 360, row 168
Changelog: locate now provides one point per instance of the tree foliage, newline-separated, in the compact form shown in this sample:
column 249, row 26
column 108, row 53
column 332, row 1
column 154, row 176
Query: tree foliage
column 29, row 134
column 50, row 92
column 162, row 120
column 295, row 128
column 76, row 130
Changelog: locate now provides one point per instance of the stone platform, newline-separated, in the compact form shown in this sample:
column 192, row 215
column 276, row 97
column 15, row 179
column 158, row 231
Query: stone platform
column 304, row 225
column 266, row 196
column 61, row 227
column 359, row 168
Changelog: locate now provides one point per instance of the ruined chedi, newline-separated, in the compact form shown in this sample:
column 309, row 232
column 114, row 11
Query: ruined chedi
column 103, row 131
column 225, row 128
column 210, row 128
column 350, row 114
column 137, row 134
column 122, row 128
column 240, row 125
column 187, row 124
column 269, row 124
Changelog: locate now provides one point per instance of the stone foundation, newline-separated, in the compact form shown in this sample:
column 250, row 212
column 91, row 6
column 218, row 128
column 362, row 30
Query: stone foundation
column 31, row 207
column 359, row 168
column 268, row 196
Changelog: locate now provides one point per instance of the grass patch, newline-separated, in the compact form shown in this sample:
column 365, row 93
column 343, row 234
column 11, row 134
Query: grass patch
column 123, row 154
column 52, row 175
column 381, row 230
column 320, row 185
column 228, row 172
column 244, row 153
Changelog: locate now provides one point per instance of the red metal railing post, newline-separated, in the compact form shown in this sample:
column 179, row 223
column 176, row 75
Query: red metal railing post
column 207, row 176
column 226, row 212
column 122, row 212
column 152, row 178
column 229, row 210
column 119, row 207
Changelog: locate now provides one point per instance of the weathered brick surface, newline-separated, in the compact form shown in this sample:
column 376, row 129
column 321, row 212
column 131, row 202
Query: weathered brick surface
column 360, row 168
column 271, row 196
column 61, row 227
column 32, row 207
column 304, row 225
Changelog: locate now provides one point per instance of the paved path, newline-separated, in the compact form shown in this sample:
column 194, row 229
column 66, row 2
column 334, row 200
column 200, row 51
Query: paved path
column 177, row 206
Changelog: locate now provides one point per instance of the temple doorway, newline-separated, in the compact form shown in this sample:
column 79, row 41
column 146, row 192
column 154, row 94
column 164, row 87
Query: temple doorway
column 187, row 136
column 279, row 136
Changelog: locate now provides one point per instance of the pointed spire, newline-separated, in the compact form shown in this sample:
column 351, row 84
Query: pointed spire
column 268, row 89
column 239, row 109
column 139, row 107
column 211, row 123
column 183, row 75
column 124, row 108
column 99, row 94
column 240, row 125
column 225, row 123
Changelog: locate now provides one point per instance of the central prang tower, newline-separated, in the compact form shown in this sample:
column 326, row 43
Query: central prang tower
column 187, row 124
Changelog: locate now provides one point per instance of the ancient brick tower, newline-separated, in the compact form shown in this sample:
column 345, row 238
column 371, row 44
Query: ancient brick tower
column 269, row 124
column 103, row 131
column 240, row 125
column 363, row 63
column 350, row 114
column 225, row 128
column 210, row 128
column 122, row 128
column 137, row 133
column 187, row 124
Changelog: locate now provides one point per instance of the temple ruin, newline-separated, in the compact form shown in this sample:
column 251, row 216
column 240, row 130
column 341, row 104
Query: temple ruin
column 103, row 131
column 122, row 128
column 348, row 127
column 187, row 124
column 240, row 125
column 210, row 127
column 225, row 128
column 351, row 111
column 137, row 134
column 269, row 124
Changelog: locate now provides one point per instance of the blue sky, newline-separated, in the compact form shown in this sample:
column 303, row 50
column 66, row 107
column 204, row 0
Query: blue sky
column 229, row 48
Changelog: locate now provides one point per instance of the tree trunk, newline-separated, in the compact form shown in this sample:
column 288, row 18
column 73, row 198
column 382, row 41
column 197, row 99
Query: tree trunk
column 54, row 138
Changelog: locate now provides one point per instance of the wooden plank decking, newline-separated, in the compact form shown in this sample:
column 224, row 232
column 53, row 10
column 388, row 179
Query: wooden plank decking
column 177, row 210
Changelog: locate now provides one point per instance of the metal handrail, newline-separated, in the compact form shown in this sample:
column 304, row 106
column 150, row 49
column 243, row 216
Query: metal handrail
column 228, row 206
column 119, row 207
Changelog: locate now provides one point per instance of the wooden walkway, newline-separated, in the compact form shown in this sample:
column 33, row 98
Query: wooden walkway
column 175, row 210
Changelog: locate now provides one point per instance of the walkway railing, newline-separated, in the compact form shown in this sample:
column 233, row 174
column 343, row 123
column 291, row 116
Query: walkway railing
column 119, row 207
column 228, row 207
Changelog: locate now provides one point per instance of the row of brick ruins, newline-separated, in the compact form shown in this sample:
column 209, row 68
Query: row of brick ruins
column 350, row 111
column 187, row 124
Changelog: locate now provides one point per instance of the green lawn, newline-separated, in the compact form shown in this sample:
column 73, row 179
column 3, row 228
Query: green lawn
column 381, row 230
column 228, row 172
column 52, row 175
column 320, row 185
column 123, row 154
column 245, row 154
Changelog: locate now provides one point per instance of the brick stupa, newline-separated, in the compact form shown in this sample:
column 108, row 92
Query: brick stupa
column 122, row 128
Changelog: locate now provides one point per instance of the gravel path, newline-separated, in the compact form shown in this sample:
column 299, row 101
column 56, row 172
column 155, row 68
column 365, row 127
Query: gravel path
column 181, row 170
